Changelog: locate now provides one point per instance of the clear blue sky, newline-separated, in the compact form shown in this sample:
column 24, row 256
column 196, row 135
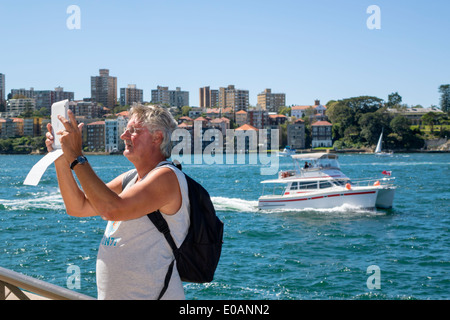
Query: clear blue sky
column 307, row 49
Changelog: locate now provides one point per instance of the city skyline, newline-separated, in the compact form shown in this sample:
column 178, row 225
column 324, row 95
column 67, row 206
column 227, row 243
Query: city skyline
column 322, row 50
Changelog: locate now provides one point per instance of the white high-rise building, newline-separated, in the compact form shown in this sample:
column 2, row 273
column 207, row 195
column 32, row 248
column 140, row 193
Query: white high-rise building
column 113, row 130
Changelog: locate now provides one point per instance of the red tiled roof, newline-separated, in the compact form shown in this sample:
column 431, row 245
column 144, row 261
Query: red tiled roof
column 321, row 123
column 96, row 123
column 247, row 127
column 123, row 113
column 277, row 116
column 301, row 107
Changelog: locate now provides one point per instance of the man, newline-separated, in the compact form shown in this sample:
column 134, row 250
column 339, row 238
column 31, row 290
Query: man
column 133, row 256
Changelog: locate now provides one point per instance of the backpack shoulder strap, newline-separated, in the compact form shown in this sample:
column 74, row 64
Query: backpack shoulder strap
column 162, row 226
column 132, row 173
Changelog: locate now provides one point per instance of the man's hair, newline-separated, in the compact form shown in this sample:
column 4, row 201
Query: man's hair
column 156, row 118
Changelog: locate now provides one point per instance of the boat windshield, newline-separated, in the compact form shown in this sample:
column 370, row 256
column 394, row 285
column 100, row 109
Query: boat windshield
column 328, row 163
column 341, row 182
column 323, row 162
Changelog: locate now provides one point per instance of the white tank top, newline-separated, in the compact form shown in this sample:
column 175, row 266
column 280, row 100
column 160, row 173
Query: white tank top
column 133, row 257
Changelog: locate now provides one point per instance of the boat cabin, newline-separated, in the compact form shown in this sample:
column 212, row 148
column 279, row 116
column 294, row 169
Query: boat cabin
column 305, row 186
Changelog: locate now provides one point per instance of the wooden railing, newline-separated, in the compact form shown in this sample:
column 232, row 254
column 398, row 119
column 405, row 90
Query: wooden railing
column 16, row 286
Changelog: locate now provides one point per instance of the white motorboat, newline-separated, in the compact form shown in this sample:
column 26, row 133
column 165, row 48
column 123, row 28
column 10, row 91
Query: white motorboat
column 378, row 149
column 317, row 182
column 287, row 151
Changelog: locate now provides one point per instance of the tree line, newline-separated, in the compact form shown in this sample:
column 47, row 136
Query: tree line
column 359, row 121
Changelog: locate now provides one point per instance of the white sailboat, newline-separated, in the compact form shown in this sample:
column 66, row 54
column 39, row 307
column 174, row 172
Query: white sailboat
column 378, row 149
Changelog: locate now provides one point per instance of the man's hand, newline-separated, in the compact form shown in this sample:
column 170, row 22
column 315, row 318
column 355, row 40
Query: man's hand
column 50, row 138
column 71, row 141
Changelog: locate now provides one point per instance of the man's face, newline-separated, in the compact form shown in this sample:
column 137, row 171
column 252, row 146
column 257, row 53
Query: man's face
column 136, row 138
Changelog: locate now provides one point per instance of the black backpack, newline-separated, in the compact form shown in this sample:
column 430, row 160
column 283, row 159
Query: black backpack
column 198, row 255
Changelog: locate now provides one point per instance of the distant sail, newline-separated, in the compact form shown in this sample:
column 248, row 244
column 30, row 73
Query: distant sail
column 378, row 148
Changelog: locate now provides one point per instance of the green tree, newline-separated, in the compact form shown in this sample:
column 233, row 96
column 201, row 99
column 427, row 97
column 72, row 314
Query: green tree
column 352, row 137
column 394, row 99
column 402, row 136
column 285, row 111
column 341, row 116
column 185, row 110
column 400, row 125
column 428, row 119
column 444, row 89
column 6, row 145
column 371, row 124
column 363, row 104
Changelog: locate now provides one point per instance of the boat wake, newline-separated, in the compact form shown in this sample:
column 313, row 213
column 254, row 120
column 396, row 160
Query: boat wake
column 33, row 202
column 234, row 204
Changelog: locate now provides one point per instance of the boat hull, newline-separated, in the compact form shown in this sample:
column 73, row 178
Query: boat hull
column 365, row 198
column 384, row 154
column 385, row 198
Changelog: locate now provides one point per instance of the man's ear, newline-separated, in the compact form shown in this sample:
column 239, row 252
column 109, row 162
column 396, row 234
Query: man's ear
column 158, row 136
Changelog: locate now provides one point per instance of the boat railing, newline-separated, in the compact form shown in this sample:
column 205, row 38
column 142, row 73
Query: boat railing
column 17, row 286
column 286, row 174
column 386, row 182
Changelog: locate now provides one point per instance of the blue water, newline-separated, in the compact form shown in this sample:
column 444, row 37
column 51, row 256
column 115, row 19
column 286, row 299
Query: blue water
column 302, row 254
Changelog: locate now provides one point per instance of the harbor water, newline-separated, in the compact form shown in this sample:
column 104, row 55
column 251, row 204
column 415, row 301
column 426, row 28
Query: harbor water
column 338, row 253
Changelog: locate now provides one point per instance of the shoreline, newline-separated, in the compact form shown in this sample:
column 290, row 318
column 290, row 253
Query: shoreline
column 350, row 151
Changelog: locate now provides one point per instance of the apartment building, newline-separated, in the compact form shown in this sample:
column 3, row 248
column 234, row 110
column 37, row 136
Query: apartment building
column 86, row 109
column 315, row 112
column 43, row 98
column 174, row 98
column 113, row 130
column 296, row 134
column 95, row 140
column 30, row 127
column 277, row 119
column 241, row 117
column 321, row 134
column 2, row 92
column 8, row 128
column 208, row 98
column 271, row 101
column 258, row 118
column 178, row 98
column 104, row 89
column 15, row 107
column 130, row 95
column 161, row 95
column 237, row 99
column 414, row 115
